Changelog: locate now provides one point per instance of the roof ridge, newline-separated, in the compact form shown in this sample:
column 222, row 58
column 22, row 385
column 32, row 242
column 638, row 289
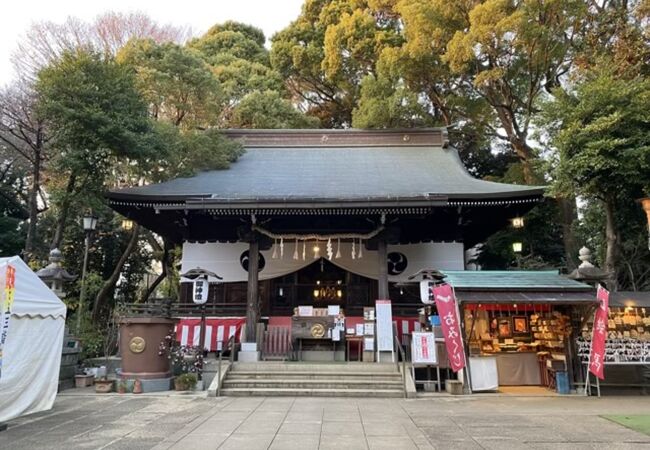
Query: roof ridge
column 416, row 137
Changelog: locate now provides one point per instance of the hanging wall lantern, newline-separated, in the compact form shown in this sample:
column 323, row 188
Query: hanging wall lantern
column 127, row 224
column 517, row 222
column 517, row 247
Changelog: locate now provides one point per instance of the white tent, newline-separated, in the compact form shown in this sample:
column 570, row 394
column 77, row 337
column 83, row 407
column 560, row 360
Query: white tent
column 33, row 341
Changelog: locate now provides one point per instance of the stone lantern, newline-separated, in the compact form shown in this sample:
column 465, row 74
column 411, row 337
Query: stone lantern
column 54, row 275
column 586, row 271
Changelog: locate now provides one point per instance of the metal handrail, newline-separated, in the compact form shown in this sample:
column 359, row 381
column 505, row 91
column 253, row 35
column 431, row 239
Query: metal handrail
column 401, row 352
column 231, row 345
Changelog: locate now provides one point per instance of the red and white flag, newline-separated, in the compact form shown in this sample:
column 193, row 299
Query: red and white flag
column 599, row 335
column 450, row 324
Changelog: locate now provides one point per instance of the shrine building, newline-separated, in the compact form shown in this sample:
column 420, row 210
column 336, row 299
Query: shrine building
column 319, row 223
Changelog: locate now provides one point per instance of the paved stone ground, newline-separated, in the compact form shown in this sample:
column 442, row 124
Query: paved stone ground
column 196, row 422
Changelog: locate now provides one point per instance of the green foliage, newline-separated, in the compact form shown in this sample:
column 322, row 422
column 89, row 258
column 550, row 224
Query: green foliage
column 268, row 110
column 177, row 84
column 383, row 104
column 186, row 381
column 93, row 109
column 541, row 248
column 12, row 211
column 236, row 39
column 185, row 153
column 92, row 337
column 601, row 133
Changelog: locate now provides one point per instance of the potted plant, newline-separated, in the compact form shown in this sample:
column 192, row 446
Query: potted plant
column 83, row 380
column 121, row 387
column 185, row 382
column 188, row 359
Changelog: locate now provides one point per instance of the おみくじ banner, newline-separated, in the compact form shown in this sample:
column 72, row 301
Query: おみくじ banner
column 599, row 335
column 450, row 324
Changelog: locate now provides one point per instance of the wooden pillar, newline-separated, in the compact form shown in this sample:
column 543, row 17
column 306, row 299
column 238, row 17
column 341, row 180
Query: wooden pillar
column 252, row 294
column 382, row 260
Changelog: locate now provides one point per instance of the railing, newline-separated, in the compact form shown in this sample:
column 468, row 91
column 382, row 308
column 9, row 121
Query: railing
column 166, row 308
column 231, row 346
column 402, row 354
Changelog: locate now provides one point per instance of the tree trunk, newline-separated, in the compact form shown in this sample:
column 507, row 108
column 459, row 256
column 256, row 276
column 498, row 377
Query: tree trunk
column 163, row 274
column 611, row 235
column 568, row 214
column 33, row 205
column 63, row 213
column 566, row 206
column 109, row 285
column 524, row 153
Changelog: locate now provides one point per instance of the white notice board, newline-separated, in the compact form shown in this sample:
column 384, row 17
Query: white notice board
column 384, row 313
column 423, row 348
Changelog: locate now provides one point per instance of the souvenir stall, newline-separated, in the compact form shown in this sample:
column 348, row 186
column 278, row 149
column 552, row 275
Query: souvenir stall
column 515, row 339
column 518, row 326
column 627, row 349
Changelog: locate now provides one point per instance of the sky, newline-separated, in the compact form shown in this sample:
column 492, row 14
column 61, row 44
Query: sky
column 17, row 16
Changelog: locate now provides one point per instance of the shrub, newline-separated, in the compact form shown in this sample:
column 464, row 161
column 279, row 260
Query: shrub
column 186, row 381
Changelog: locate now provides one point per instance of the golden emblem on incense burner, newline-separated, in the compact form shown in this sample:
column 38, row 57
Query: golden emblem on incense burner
column 317, row 330
column 137, row 344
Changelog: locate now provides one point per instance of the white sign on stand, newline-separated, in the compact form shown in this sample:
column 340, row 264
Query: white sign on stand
column 384, row 312
column 423, row 349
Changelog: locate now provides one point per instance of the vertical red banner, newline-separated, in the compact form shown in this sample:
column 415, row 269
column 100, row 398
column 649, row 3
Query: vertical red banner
column 450, row 324
column 599, row 335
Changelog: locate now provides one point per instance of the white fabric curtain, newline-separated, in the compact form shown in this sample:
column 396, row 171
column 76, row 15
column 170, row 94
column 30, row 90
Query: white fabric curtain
column 30, row 366
column 225, row 259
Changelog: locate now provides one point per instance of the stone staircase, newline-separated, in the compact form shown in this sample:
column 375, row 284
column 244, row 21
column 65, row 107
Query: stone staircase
column 292, row 379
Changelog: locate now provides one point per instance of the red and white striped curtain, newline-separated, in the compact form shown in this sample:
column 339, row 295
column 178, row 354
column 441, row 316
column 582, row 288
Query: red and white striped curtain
column 217, row 331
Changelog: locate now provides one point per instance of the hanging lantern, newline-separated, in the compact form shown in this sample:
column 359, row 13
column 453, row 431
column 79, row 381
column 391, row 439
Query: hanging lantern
column 517, row 247
column 645, row 204
column 127, row 224
column 517, row 222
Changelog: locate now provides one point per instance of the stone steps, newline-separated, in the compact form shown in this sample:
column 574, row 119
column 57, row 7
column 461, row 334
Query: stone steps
column 311, row 384
column 304, row 392
column 325, row 376
column 313, row 379
column 358, row 367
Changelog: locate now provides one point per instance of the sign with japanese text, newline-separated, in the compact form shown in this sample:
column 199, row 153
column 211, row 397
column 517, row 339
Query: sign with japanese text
column 599, row 335
column 6, row 303
column 450, row 324
column 384, row 327
column 423, row 348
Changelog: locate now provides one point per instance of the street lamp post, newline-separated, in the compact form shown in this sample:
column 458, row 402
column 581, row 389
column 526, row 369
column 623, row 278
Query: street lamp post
column 89, row 224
